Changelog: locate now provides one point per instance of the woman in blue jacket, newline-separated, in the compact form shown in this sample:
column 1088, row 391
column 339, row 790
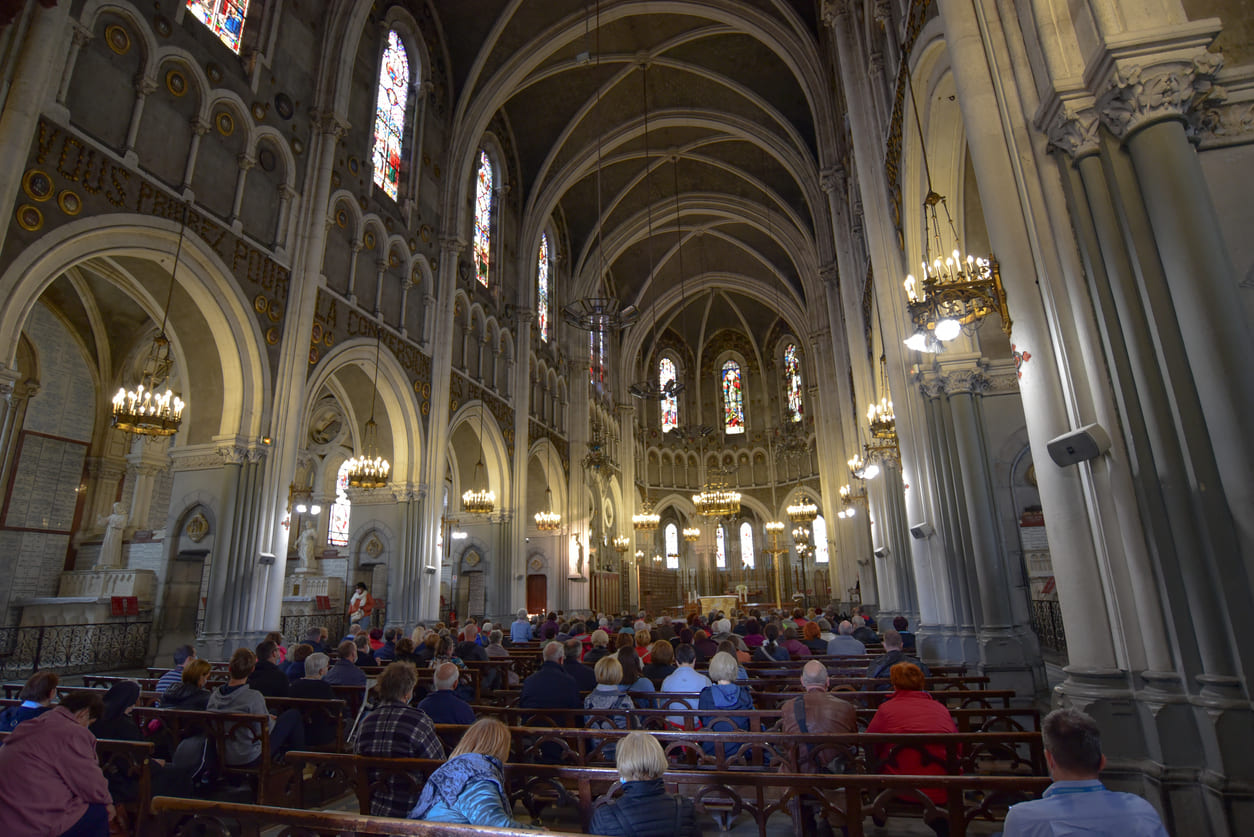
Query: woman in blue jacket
column 470, row 787
column 722, row 696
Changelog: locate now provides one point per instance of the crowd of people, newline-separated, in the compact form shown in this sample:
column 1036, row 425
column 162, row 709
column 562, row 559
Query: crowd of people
column 610, row 665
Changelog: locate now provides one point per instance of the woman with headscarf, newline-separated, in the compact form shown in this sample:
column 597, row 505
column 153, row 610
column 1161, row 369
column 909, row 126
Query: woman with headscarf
column 470, row 787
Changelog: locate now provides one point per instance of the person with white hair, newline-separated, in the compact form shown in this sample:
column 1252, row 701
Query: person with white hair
column 443, row 705
column 319, row 729
column 550, row 687
column 520, row 628
column 844, row 645
column 644, row 809
column 864, row 633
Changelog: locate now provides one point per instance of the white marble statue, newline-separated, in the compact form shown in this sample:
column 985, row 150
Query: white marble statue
column 111, row 547
column 305, row 543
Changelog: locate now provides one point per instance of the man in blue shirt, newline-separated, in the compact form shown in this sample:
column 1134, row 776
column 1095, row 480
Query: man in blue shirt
column 1077, row 802
column 443, row 705
column 36, row 696
column 183, row 655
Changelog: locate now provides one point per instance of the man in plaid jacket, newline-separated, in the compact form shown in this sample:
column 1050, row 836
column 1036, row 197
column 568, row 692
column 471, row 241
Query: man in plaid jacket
column 397, row 730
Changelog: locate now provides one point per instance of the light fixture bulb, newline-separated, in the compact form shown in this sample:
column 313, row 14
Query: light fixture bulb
column 315, row 509
column 871, row 471
column 301, row 508
column 917, row 342
column 947, row 329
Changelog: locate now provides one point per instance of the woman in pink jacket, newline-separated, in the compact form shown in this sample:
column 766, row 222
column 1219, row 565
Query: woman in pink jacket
column 50, row 778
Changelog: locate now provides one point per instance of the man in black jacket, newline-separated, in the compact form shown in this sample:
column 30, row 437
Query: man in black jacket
column 893, row 654
column 267, row 677
column 585, row 677
column 550, row 687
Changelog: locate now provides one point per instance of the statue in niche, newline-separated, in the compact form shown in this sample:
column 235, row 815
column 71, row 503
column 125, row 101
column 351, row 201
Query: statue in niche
column 305, row 543
column 111, row 547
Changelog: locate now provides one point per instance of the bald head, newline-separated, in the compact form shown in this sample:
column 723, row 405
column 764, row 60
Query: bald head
column 446, row 676
column 846, row 628
column 814, row 675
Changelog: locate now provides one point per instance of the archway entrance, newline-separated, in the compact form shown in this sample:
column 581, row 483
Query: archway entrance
column 537, row 593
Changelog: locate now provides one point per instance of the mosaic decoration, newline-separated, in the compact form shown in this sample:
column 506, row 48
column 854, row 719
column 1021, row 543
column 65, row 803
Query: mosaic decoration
column 389, row 116
column 337, row 525
column 118, row 39
column 37, row 185
column 820, row 540
column 542, row 288
column 483, row 218
column 792, row 376
column 733, row 399
column 225, row 18
column 747, row 558
column 670, row 403
column 672, row 546
column 720, row 549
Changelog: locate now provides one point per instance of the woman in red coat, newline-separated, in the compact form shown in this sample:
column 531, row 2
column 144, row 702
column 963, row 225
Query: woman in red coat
column 912, row 710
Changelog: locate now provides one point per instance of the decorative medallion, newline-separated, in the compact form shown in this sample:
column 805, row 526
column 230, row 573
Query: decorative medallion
column 328, row 339
column 70, row 202
column 163, row 25
column 452, row 405
column 37, row 185
column 313, row 356
column 283, row 105
column 370, row 241
column 413, row 244
column 424, row 232
column 354, row 165
column 260, row 303
column 374, row 547
column 225, row 123
column 298, row 147
column 435, row 264
column 265, row 158
column 535, row 564
column 341, row 218
column 259, row 110
column 176, row 82
column 315, row 336
column 471, row 559
column 213, row 72
column 417, row 387
column 197, row 528
column 272, row 336
column 426, row 390
column 426, row 408
column 29, row 217
column 275, row 312
column 118, row 39
column 393, row 261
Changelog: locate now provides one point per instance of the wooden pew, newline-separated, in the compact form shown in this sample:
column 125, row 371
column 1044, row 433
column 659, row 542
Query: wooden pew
column 846, row 800
column 194, row 817
column 975, row 698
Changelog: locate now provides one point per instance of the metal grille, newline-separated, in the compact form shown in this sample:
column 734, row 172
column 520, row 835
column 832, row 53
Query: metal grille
column 1047, row 622
column 69, row 649
column 294, row 627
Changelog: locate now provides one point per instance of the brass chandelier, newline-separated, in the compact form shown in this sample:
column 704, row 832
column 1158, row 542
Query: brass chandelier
column 803, row 511
column 716, row 498
column 548, row 520
column 479, row 498
column 145, row 409
column 954, row 293
column 646, row 520
column 692, row 534
column 369, row 469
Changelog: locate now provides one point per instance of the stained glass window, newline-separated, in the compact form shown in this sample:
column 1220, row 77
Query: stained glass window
column 792, row 375
column 389, row 115
column 596, row 368
column 670, row 403
column 672, row 546
column 720, row 549
column 483, row 218
column 820, row 540
column 542, row 288
column 733, row 399
column 337, row 528
column 747, row 557
column 225, row 18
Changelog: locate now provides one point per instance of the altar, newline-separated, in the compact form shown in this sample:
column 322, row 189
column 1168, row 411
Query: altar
column 727, row 604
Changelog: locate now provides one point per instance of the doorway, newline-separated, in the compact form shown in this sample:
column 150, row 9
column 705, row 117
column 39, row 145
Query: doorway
column 537, row 593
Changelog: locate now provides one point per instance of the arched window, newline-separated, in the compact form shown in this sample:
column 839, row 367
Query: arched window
column 733, row 399
column 720, row 548
column 820, row 540
column 670, row 403
column 746, row 546
column 389, row 116
column 542, row 288
column 672, row 546
column 792, row 378
column 337, row 527
column 225, row 18
column 483, row 217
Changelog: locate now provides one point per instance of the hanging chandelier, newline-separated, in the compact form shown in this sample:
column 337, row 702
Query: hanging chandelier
column 621, row 544
column 370, row 470
column 882, row 420
column 863, row 469
column 850, row 500
column 150, row 408
column 479, row 498
column 598, row 457
column 646, row 520
column 548, row 520
column 803, row 511
column 955, row 292
column 692, row 534
column 717, row 499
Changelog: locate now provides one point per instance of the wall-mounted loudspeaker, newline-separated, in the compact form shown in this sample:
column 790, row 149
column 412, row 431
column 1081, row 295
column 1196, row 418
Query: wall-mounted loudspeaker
column 881, row 552
column 922, row 530
column 1089, row 442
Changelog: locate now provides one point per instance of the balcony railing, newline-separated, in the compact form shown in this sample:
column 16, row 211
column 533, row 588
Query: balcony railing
column 70, row 649
column 1047, row 622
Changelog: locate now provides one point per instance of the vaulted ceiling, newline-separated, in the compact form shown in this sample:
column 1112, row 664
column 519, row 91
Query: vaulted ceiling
column 678, row 142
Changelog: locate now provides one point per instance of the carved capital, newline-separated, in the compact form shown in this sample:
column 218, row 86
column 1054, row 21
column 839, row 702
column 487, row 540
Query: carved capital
column 882, row 11
column 245, row 162
column 836, row 12
column 1075, row 131
column 200, row 127
column 965, row 381
column 145, row 86
column 1136, row 96
column 931, row 386
column 452, row 245
column 829, row 274
column 232, row 454
column 82, row 35
column 877, row 62
column 329, row 122
column 832, row 180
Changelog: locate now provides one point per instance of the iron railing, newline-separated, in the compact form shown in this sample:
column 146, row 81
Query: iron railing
column 295, row 626
column 70, row 649
column 1047, row 622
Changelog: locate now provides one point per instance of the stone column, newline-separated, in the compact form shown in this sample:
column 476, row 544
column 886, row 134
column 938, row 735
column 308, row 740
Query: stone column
column 407, row 577
column 516, row 551
column 234, row 574
column 149, row 456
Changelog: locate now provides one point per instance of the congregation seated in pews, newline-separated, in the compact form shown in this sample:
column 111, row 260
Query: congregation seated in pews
column 569, row 733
